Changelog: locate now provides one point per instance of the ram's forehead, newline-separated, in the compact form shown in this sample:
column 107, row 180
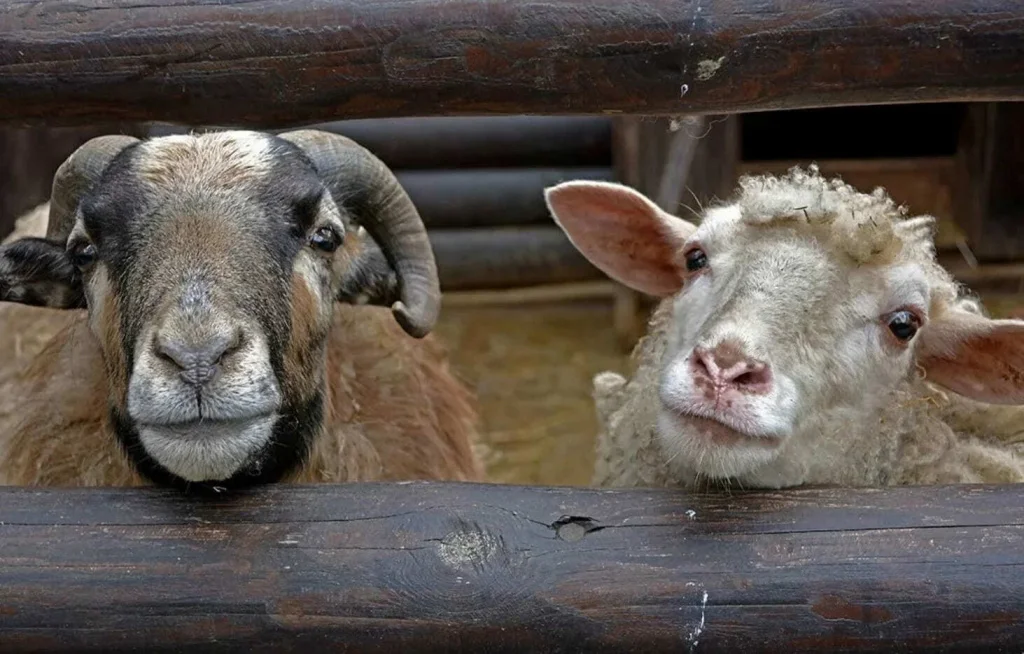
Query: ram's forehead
column 214, row 159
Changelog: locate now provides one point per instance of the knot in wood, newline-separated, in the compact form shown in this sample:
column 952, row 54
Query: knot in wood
column 468, row 547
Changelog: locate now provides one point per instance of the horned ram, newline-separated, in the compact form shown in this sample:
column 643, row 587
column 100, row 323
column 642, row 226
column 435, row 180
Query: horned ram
column 208, row 311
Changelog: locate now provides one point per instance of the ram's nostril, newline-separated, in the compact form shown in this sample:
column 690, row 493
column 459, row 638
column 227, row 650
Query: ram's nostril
column 237, row 341
column 197, row 358
column 172, row 352
column 232, row 345
column 162, row 354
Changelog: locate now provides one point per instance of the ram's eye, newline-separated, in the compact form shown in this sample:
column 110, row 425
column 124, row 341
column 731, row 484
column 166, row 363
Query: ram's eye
column 83, row 254
column 696, row 259
column 904, row 325
column 325, row 239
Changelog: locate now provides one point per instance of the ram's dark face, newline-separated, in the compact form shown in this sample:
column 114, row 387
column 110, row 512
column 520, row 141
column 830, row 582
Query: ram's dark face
column 210, row 266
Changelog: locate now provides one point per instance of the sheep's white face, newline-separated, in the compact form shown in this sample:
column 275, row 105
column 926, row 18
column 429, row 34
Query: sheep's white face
column 772, row 328
column 801, row 303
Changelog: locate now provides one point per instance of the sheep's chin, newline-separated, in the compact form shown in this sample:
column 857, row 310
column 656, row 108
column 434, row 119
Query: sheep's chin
column 207, row 450
column 712, row 449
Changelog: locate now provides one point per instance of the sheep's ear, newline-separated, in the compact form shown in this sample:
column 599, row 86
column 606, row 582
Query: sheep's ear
column 38, row 272
column 622, row 233
column 977, row 357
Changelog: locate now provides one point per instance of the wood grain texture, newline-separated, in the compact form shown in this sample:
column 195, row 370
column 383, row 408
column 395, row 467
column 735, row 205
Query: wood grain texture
column 270, row 63
column 453, row 567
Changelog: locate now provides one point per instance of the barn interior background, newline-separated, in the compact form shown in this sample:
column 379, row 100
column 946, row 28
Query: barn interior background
column 529, row 322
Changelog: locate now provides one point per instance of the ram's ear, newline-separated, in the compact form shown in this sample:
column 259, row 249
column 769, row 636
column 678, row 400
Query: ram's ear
column 622, row 233
column 368, row 278
column 38, row 272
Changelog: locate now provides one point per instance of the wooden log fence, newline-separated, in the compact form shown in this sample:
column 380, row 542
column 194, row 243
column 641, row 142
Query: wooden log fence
column 267, row 64
column 430, row 567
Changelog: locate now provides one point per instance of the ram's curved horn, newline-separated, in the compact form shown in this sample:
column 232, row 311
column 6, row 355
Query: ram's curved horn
column 367, row 187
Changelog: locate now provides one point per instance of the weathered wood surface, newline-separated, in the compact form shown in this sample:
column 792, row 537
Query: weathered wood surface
column 470, row 568
column 488, row 198
column 507, row 257
column 273, row 63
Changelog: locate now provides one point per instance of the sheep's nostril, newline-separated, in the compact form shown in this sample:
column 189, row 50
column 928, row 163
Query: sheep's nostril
column 699, row 365
column 726, row 366
column 745, row 378
column 757, row 376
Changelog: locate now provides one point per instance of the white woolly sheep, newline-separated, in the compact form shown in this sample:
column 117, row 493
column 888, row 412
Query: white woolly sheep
column 805, row 335
column 202, row 291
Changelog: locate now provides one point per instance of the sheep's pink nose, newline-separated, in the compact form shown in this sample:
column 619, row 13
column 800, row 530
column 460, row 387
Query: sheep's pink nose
column 199, row 360
column 726, row 367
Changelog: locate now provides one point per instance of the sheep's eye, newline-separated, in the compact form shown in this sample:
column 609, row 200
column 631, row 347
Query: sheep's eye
column 83, row 255
column 904, row 325
column 325, row 239
column 696, row 259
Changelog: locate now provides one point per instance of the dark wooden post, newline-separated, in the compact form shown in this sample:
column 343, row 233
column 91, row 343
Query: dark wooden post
column 990, row 180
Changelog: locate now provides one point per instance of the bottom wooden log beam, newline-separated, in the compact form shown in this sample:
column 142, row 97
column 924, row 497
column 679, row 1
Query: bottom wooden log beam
column 430, row 567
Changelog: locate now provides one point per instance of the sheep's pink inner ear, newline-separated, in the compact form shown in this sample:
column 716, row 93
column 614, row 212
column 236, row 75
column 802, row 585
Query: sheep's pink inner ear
column 622, row 233
column 976, row 357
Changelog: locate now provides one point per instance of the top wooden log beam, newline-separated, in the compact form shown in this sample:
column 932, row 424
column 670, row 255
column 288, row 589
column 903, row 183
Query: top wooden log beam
column 263, row 63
